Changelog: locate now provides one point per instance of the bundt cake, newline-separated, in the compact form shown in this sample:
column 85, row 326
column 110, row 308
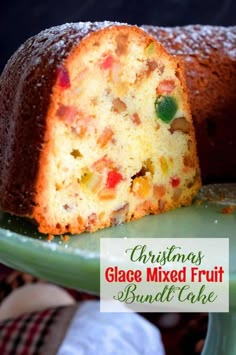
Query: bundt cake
column 209, row 56
column 95, row 129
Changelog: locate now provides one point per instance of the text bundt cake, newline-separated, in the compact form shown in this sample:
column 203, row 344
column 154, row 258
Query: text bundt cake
column 95, row 129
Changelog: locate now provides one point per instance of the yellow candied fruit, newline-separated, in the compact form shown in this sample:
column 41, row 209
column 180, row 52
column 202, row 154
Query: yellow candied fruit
column 150, row 48
column 148, row 164
column 141, row 186
column 164, row 165
column 91, row 181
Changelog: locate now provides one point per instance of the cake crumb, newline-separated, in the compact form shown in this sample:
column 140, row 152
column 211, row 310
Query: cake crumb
column 65, row 238
column 50, row 237
column 198, row 202
column 228, row 210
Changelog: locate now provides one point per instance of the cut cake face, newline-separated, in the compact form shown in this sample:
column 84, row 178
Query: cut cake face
column 119, row 142
column 95, row 129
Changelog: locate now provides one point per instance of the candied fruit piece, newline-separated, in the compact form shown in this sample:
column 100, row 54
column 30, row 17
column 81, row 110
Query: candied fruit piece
column 103, row 163
column 91, row 181
column 108, row 62
column 113, row 179
column 174, row 181
column 136, row 119
column 107, row 194
column 141, row 186
column 164, row 165
column 166, row 108
column 165, row 87
column 63, row 78
column 150, row 48
column 66, row 113
column 105, row 137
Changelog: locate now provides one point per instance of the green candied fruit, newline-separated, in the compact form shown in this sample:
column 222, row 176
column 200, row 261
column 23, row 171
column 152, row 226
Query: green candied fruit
column 150, row 48
column 166, row 108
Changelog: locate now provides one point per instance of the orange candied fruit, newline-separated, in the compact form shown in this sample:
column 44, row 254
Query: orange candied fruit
column 141, row 186
column 107, row 194
column 102, row 163
column 105, row 137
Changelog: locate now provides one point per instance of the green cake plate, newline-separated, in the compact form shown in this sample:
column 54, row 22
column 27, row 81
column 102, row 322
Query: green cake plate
column 75, row 263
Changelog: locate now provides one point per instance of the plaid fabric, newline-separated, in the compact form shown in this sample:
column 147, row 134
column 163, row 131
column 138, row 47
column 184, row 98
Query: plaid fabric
column 14, row 280
column 28, row 334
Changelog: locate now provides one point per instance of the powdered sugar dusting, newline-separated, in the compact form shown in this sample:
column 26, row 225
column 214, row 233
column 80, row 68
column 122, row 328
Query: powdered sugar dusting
column 196, row 39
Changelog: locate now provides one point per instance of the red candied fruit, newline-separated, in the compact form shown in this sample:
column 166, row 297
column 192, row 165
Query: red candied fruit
column 175, row 181
column 113, row 179
column 165, row 87
column 66, row 113
column 63, row 78
column 107, row 62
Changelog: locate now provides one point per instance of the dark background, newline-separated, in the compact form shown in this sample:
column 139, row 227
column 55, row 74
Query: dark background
column 20, row 19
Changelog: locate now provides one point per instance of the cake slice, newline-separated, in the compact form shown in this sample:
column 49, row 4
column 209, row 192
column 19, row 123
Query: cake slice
column 95, row 129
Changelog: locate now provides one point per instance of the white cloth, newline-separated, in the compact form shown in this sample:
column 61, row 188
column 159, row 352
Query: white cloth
column 95, row 333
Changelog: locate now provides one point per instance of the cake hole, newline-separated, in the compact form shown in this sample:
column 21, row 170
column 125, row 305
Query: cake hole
column 118, row 105
column 66, row 207
column 58, row 187
column 76, row 154
column 180, row 124
column 146, row 168
column 58, row 226
column 211, row 128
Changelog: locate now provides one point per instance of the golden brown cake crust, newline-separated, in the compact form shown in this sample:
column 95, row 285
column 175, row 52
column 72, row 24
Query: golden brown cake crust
column 209, row 56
